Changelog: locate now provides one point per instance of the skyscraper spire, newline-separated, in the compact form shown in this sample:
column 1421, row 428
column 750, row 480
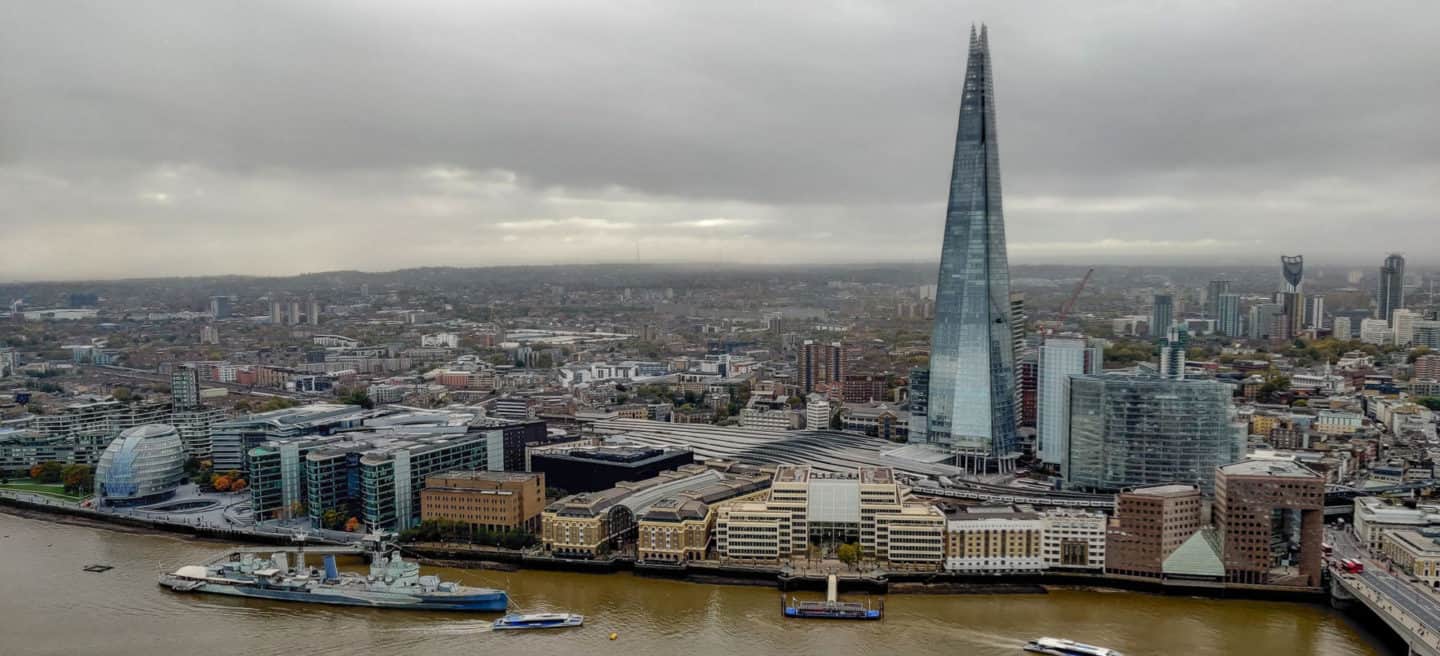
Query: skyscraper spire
column 971, row 406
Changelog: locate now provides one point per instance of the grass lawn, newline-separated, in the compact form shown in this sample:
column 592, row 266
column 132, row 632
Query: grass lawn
column 48, row 489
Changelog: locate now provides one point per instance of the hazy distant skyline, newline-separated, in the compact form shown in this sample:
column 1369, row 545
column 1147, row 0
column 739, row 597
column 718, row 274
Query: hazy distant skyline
column 269, row 138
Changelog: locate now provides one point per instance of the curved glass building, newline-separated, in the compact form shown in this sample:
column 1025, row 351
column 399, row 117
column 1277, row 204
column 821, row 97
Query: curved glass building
column 144, row 464
column 1128, row 431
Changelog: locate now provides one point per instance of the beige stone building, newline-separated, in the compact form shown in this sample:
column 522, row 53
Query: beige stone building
column 485, row 499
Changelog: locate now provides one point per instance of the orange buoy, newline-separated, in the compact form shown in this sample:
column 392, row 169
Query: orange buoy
column 614, row 635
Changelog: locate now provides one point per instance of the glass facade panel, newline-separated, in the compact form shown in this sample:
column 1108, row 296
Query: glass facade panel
column 1128, row 431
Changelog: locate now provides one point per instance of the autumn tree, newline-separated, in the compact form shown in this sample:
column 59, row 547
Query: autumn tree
column 220, row 483
column 238, row 484
column 352, row 525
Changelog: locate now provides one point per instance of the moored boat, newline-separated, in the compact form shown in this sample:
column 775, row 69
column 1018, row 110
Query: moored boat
column 392, row 582
column 524, row 621
column 1061, row 647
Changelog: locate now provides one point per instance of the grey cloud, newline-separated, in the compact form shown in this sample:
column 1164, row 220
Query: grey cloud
column 1244, row 128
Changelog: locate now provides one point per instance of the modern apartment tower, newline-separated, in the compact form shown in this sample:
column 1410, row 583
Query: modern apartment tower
column 1162, row 314
column 1227, row 315
column 821, row 365
column 1390, row 295
column 1213, row 292
column 972, row 358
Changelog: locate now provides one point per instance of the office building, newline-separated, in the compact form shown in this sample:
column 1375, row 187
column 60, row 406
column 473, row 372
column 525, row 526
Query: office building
column 1427, row 334
column 1173, row 351
column 220, row 307
column 865, row 388
column 588, row 469
column 1402, row 321
column 1376, row 516
column 374, row 473
column 971, row 400
column 209, row 335
column 592, row 524
column 1162, row 314
column 1264, row 320
column 1270, row 517
column 1376, row 331
column 231, row 441
column 185, row 388
column 1151, row 524
column 821, row 365
column 1390, row 294
column 485, row 500
column 918, row 397
column 143, row 465
column 1060, row 358
column 817, row 413
column 994, row 540
column 1427, row 367
column 866, row 507
column 1213, row 291
column 1133, row 430
column 1416, row 553
column 1315, row 312
column 1073, row 539
column 1292, row 307
column 1340, row 328
column 1227, row 315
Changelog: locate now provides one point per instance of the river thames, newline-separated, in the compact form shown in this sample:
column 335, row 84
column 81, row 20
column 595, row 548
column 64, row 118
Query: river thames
column 48, row 605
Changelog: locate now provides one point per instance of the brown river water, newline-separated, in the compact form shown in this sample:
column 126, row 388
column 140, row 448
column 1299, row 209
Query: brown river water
column 48, row 605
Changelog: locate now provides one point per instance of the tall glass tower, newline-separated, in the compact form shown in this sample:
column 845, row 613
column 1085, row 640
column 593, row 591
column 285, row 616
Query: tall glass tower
column 972, row 360
column 1391, row 293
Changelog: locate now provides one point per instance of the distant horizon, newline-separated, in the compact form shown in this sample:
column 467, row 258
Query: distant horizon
column 1250, row 264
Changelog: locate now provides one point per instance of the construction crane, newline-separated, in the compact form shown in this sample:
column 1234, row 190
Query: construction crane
column 1070, row 304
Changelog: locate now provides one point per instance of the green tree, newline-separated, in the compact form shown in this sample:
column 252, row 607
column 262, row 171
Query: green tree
column 121, row 394
column 848, row 554
column 50, row 472
column 78, row 479
column 357, row 396
column 1432, row 402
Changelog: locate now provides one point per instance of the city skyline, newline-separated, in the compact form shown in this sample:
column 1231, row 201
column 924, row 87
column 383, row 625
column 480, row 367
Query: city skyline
column 785, row 141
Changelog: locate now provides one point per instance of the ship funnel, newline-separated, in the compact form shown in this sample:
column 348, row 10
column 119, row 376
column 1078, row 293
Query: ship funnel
column 332, row 573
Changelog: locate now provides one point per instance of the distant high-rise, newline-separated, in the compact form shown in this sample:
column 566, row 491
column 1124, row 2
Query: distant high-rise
column 1402, row 321
column 821, row 365
column 185, row 388
column 1227, row 315
column 220, row 307
column 277, row 312
column 1213, row 292
column 314, row 316
column 295, row 316
column 1390, row 295
column 1162, row 314
column 1262, row 320
column 1060, row 358
column 1340, row 328
column 1292, row 272
column 1315, row 312
column 972, row 357
column 1292, row 305
column 1172, row 352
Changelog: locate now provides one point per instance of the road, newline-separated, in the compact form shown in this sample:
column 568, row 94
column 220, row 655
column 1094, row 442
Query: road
column 1417, row 599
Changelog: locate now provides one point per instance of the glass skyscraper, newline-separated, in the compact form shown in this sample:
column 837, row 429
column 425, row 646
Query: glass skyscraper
column 1129, row 431
column 1060, row 358
column 1390, row 295
column 972, row 359
column 1162, row 314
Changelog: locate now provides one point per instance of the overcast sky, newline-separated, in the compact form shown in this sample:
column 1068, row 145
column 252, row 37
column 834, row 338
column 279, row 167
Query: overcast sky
column 267, row 138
